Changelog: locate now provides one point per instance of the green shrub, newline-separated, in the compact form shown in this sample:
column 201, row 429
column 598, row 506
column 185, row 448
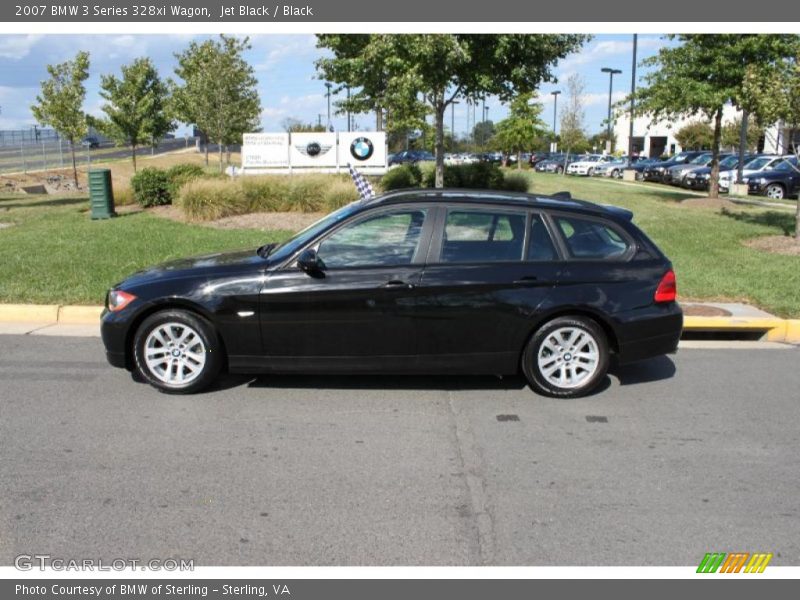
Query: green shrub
column 404, row 176
column 183, row 173
column 475, row 176
column 206, row 200
column 151, row 187
column 516, row 182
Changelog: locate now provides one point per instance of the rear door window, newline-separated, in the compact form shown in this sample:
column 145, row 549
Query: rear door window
column 589, row 239
column 483, row 236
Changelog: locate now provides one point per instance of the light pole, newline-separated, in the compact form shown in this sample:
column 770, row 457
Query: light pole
column 555, row 94
column 633, row 105
column 348, row 109
column 453, row 121
column 611, row 73
column 329, row 85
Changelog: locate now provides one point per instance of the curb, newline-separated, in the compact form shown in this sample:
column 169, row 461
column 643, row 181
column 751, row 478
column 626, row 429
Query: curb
column 773, row 329
column 50, row 313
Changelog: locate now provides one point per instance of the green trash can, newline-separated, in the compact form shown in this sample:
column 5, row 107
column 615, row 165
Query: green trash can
column 101, row 195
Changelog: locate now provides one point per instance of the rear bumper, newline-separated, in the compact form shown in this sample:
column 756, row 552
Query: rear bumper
column 648, row 332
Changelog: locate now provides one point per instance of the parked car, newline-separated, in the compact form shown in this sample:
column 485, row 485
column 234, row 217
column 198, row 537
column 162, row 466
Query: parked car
column 698, row 179
column 781, row 182
column 587, row 164
column 615, row 166
column 655, row 171
column 757, row 164
column 90, row 142
column 555, row 164
column 417, row 281
column 641, row 164
column 675, row 174
column 411, row 157
column 537, row 157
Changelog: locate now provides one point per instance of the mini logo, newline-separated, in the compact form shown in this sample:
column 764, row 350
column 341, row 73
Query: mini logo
column 313, row 149
column 735, row 562
column 362, row 148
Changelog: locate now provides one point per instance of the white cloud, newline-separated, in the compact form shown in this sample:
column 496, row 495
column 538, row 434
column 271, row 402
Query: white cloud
column 15, row 47
column 283, row 47
column 604, row 50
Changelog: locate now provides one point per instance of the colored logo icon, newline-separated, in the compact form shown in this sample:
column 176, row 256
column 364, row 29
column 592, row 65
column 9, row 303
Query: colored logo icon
column 735, row 562
column 362, row 148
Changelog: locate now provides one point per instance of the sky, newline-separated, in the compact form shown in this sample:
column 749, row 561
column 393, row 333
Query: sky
column 284, row 67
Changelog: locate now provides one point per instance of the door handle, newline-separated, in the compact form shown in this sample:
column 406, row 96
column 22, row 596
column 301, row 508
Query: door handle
column 526, row 280
column 397, row 284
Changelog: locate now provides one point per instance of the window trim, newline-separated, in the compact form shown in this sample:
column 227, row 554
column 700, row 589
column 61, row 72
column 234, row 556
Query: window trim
column 419, row 255
column 626, row 256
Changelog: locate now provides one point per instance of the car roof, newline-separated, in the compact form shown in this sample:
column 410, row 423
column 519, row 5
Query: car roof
column 558, row 201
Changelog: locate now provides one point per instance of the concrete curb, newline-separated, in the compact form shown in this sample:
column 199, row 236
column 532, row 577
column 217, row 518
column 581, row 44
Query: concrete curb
column 50, row 314
column 774, row 329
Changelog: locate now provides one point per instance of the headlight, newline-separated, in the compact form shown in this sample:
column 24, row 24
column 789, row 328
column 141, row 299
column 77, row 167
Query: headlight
column 762, row 180
column 117, row 300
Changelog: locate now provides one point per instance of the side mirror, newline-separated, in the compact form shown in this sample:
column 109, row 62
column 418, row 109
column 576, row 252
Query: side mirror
column 308, row 261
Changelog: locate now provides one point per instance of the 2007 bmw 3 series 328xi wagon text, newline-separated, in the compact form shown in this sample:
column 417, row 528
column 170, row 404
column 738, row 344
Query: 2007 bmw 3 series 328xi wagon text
column 444, row 281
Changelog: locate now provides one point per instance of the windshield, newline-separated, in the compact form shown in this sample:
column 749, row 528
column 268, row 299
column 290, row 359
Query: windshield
column 700, row 160
column 729, row 162
column 787, row 165
column 290, row 246
column 757, row 163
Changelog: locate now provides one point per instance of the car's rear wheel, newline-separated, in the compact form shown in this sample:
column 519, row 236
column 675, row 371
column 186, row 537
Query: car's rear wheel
column 177, row 351
column 775, row 191
column 615, row 174
column 559, row 170
column 566, row 358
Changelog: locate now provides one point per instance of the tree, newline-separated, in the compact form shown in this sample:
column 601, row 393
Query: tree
column 573, row 135
column 731, row 135
column 60, row 103
column 696, row 135
column 292, row 125
column 523, row 126
column 135, row 106
column 773, row 96
column 218, row 91
column 431, row 70
column 703, row 74
column 482, row 132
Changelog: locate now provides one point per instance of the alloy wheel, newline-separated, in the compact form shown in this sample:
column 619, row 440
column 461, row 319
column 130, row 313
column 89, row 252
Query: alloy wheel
column 568, row 357
column 175, row 353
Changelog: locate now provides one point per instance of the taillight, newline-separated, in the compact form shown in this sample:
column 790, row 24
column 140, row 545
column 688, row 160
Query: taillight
column 667, row 288
column 117, row 300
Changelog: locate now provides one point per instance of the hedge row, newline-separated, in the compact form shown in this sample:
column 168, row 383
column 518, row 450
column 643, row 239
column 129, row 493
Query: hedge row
column 484, row 176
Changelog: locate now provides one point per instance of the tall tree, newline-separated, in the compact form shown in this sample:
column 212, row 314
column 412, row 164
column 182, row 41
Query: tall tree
column 773, row 95
column 135, row 106
column 701, row 75
column 60, row 103
column 218, row 91
column 523, row 127
column 435, row 69
column 573, row 133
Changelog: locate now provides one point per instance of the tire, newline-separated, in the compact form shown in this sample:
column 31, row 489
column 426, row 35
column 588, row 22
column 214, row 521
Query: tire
column 775, row 191
column 189, row 366
column 615, row 174
column 547, row 368
column 559, row 170
column 590, row 172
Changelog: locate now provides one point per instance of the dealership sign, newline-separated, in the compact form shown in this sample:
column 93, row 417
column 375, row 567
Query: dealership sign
column 314, row 151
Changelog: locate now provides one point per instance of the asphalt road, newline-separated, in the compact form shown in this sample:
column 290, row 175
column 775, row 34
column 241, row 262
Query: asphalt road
column 676, row 457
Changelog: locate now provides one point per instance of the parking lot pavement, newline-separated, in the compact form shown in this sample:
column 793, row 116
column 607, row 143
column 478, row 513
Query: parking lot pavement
column 676, row 457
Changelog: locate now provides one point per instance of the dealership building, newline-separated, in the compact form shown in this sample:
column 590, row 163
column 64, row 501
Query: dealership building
column 657, row 139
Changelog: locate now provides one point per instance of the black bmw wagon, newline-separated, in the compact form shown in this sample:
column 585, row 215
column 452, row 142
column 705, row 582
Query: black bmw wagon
column 412, row 282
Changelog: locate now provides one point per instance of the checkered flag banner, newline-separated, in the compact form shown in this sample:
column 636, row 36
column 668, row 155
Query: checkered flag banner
column 362, row 185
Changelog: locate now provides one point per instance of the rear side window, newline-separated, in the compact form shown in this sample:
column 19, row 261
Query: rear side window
column 592, row 240
column 541, row 245
column 483, row 236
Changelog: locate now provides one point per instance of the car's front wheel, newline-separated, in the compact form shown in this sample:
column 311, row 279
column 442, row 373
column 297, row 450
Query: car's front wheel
column 615, row 174
column 177, row 351
column 566, row 358
column 775, row 191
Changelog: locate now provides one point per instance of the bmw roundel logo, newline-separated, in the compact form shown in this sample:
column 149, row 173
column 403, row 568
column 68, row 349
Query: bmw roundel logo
column 313, row 149
column 362, row 148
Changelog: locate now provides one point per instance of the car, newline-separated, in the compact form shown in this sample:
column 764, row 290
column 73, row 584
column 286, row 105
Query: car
column 698, row 179
column 90, row 142
column 781, row 182
column 757, row 164
column 614, row 167
column 586, row 165
column 411, row 157
column 537, row 157
column 674, row 175
column 555, row 164
column 416, row 281
column 655, row 171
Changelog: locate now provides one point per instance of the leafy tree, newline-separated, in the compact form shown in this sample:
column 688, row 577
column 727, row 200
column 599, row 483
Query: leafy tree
column 292, row 125
column 696, row 135
column 731, row 134
column 483, row 132
column 773, row 96
column 60, row 103
column 135, row 106
column 218, row 91
column 598, row 140
column 523, row 127
column 429, row 71
column 703, row 74
column 573, row 135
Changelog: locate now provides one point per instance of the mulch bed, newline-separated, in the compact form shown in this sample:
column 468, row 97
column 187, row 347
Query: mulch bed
column 775, row 244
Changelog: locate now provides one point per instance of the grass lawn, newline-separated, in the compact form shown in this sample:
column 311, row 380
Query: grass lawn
column 704, row 244
column 55, row 253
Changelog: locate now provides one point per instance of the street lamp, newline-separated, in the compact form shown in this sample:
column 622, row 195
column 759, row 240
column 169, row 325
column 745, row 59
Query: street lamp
column 329, row 85
column 453, row 120
column 611, row 73
column 555, row 94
